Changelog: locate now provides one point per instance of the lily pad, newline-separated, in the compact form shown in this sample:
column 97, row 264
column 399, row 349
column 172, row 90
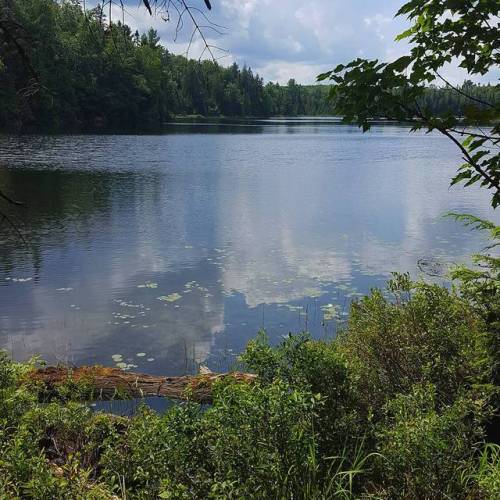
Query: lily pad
column 172, row 297
column 148, row 284
column 330, row 312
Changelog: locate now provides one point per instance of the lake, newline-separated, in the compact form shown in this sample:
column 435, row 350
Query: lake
column 162, row 252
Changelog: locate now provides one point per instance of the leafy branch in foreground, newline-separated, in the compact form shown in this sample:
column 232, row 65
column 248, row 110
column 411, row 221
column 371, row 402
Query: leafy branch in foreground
column 481, row 284
column 442, row 32
column 479, row 224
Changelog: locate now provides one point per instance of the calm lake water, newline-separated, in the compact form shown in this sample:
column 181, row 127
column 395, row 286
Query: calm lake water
column 165, row 251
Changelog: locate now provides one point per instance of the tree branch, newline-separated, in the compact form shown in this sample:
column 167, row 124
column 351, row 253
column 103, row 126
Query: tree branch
column 493, row 183
column 10, row 200
column 491, row 138
column 472, row 98
column 447, row 132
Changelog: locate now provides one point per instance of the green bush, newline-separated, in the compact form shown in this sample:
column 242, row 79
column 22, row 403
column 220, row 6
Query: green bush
column 396, row 407
column 425, row 451
column 253, row 439
column 320, row 367
column 480, row 286
column 422, row 334
column 51, row 437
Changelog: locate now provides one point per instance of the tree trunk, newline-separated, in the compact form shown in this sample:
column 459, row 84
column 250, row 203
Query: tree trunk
column 96, row 382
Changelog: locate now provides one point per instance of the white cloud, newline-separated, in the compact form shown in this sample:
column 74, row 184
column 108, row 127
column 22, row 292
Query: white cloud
column 282, row 71
column 281, row 39
column 379, row 23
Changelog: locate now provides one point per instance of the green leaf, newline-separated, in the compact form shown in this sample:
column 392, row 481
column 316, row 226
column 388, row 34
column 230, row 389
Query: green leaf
column 401, row 64
column 405, row 34
column 461, row 176
column 467, row 141
column 323, row 76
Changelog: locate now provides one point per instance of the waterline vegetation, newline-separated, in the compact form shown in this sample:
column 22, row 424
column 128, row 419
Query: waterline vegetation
column 399, row 405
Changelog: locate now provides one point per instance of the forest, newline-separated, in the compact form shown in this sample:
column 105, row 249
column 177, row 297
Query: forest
column 63, row 68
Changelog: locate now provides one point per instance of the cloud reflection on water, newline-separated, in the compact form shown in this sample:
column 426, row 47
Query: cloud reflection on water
column 270, row 218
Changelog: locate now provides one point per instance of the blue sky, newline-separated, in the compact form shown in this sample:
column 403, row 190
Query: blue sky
column 281, row 39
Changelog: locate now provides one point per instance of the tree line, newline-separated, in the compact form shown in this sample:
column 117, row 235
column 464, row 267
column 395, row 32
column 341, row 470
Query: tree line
column 66, row 69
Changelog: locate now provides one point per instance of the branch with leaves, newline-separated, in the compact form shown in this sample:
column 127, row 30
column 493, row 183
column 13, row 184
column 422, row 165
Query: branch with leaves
column 442, row 32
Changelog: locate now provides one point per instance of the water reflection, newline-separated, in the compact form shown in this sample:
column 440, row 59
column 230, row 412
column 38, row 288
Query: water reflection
column 172, row 250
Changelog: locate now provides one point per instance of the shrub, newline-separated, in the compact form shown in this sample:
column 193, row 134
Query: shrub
column 319, row 367
column 425, row 334
column 424, row 450
column 254, row 441
column 480, row 286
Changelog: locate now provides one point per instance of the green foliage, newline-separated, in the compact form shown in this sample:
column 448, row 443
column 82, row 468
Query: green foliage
column 425, row 334
column 68, row 69
column 67, row 436
column 254, row 441
column 486, row 476
column 441, row 32
column 63, row 70
column 425, row 451
column 469, row 35
column 481, row 285
column 31, row 434
column 396, row 407
column 319, row 367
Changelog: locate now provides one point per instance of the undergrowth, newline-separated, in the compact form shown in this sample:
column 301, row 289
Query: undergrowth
column 400, row 405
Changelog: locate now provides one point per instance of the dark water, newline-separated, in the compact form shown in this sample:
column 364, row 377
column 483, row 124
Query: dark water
column 172, row 250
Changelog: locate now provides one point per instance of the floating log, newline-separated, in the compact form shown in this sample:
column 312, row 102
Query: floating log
column 113, row 383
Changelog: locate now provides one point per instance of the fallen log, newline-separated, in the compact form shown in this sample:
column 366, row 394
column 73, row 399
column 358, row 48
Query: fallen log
column 97, row 382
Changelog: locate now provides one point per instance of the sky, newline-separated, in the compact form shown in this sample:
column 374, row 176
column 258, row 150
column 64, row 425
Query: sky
column 283, row 39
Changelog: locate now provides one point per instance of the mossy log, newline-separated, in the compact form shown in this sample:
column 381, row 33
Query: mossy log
column 97, row 382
